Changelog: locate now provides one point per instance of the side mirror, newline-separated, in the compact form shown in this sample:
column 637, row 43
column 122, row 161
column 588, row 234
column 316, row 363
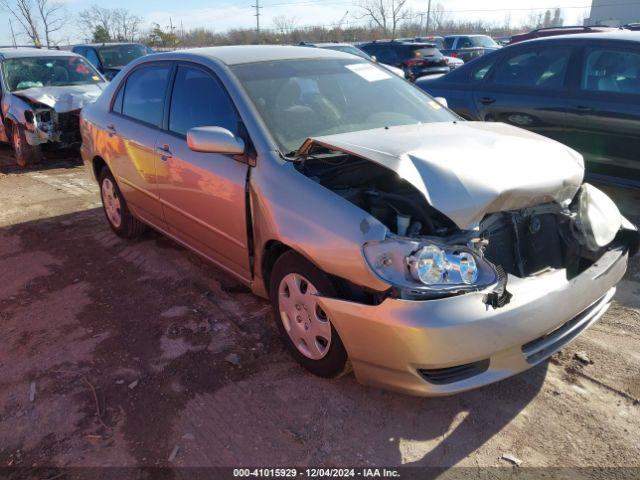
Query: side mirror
column 214, row 140
column 442, row 101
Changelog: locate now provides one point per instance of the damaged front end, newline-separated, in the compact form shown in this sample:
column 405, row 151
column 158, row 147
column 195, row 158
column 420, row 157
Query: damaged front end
column 558, row 225
column 45, row 126
column 51, row 115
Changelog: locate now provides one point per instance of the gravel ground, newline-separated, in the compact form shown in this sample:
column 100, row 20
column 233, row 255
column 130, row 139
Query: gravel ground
column 120, row 353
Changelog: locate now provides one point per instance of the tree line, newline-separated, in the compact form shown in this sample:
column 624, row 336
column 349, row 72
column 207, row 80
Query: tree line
column 43, row 23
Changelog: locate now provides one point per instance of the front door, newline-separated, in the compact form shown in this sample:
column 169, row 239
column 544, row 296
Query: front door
column 203, row 194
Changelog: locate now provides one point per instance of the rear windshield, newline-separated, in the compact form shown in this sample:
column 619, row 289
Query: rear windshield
column 426, row 52
column 30, row 72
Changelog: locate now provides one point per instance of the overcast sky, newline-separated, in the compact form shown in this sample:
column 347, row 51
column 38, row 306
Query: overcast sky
column 220, row 15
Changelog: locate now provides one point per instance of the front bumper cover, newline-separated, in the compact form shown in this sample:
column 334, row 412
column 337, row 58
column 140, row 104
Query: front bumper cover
column 389, row 344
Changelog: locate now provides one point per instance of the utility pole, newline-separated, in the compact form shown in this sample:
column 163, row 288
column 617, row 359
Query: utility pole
column 257, row 15
column 428, row 16
column 13, row 35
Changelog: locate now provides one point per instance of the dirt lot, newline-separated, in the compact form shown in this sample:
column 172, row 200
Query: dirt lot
column 118, row 353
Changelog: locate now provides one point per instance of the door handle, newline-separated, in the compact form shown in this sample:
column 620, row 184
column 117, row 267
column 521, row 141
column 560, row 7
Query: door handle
column 112, row 129
column 164, row 151
column 487, row 100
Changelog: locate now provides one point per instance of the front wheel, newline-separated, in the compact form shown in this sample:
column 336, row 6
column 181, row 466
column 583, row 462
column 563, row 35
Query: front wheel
column 304, row 326
column 25, row 154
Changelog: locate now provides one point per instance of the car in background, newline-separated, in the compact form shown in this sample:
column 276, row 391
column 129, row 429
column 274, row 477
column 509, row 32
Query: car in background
column 453, row 62
column 415, row 59
column 353, row 50
column 389, row 236
column 110, row 58
column 582, row 90
column 632, row 26
column 553, row 31
column 469, row 47
column 41, row 94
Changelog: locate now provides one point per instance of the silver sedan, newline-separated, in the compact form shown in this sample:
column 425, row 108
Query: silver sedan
column 430, row 254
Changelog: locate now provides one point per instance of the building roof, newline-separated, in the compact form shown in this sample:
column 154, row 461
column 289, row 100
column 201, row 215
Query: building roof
column 22, row 52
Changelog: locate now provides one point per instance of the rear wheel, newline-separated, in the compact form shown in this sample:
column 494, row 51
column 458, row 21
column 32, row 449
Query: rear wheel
column 304, row 326
column 120, row 219
column 25, row 154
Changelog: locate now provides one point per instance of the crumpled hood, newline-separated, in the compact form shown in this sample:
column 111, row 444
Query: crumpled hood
column 63, row 99
column 468, row 169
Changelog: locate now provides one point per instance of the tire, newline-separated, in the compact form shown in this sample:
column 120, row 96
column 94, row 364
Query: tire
column 25, row 154
column 303, row 326
column 120, row 219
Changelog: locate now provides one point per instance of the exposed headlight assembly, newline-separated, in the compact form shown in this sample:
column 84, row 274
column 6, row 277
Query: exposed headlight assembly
column 597, row 218
column 429, row 266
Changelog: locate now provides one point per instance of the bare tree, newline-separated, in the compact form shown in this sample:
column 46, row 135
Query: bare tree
column 27, row 17
column 51, row 15
column 385, row 14
column 284, row 25
column 439, row 16
column 93, row 17
column 126, row 25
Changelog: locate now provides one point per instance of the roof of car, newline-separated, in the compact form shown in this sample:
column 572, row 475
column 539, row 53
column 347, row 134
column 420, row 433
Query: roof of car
column 106, row 44
column 238, row 54
column 325, row 44
column 623, row 35
column 22, row 52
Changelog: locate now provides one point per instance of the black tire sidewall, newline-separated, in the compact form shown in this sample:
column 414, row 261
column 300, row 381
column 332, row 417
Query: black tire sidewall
column 130, row 227
column 335, row 361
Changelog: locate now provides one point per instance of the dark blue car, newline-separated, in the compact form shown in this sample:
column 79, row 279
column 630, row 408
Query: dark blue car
column 582, row 90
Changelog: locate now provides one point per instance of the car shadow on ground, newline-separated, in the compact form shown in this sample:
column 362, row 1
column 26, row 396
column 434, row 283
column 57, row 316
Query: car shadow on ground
column 51, row 160
column 150, row 327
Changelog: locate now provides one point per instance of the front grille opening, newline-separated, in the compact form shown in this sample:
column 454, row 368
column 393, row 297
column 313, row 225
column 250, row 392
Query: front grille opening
column 445, row 376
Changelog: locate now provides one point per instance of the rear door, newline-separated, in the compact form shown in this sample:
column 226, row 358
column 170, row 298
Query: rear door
column 137, row 114
column 528, row 88
column 604, row 110
column 203, row 194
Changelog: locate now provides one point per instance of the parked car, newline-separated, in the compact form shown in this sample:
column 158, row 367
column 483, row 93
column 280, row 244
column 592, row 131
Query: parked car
column 415, row 59
column 353, row 50
column 453, row 62
column 468, row 47
column 437, row 255
column 632, row 26
column 553, row 31
column 41, row 94
column 582, row 90
column 110, row 58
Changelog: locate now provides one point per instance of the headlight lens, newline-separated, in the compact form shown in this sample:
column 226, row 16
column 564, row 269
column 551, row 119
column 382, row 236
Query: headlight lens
column 429, row 266
column 598, row 218
column 432, row 265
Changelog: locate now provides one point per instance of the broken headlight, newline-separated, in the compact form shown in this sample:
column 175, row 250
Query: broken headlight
column 598, row 219
column 429, row 266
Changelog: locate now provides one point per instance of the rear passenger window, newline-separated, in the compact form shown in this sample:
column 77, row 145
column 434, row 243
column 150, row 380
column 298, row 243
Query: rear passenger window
column 144, row 94
column 199, row 100
column 539, row 69
column 611, row 70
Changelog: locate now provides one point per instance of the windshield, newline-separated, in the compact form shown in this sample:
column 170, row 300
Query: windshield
column 349, row 49
column 298, row 99
column 23, row 73
column 117, row 56
column 483, row 42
